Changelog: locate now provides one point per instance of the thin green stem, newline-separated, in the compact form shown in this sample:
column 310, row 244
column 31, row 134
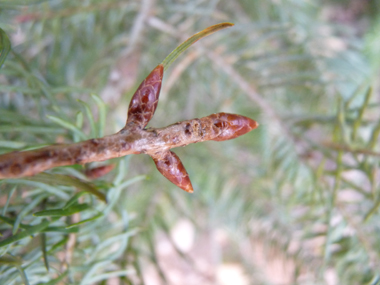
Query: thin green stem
column 186, row 44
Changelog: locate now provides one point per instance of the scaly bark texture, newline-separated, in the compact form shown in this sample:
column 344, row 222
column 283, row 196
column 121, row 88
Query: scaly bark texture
column 134, row 138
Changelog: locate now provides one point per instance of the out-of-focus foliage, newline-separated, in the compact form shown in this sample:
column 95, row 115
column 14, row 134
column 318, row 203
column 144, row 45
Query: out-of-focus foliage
column 301, row 192
column 5, row 46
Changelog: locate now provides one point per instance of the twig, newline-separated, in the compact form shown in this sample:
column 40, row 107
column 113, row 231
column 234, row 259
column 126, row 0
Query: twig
column 134, row 138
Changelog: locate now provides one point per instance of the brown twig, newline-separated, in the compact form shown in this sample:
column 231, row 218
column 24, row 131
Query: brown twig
column 134, row 138
column 130, row 140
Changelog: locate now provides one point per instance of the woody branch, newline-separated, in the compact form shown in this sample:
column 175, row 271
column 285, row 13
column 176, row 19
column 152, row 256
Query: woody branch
column 134, row 138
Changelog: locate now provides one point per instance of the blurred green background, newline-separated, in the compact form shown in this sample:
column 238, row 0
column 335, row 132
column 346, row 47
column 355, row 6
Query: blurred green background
column 293, row 202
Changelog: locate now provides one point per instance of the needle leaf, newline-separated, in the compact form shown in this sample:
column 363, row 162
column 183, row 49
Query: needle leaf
column 186, row 44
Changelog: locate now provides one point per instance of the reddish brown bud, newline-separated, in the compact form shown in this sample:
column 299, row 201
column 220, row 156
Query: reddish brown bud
column 230, row 126
column 170, row 166
column 144, row 102
column 97, row 172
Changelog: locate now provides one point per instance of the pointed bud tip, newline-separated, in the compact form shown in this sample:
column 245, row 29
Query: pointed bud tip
column 160, row 69
column 252, row 123
column 189, row 189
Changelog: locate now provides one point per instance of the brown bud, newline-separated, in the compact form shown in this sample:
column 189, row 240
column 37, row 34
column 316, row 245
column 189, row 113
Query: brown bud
column 170, row 166
column 229, row 126
column 100, row 171
column 144, row 102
